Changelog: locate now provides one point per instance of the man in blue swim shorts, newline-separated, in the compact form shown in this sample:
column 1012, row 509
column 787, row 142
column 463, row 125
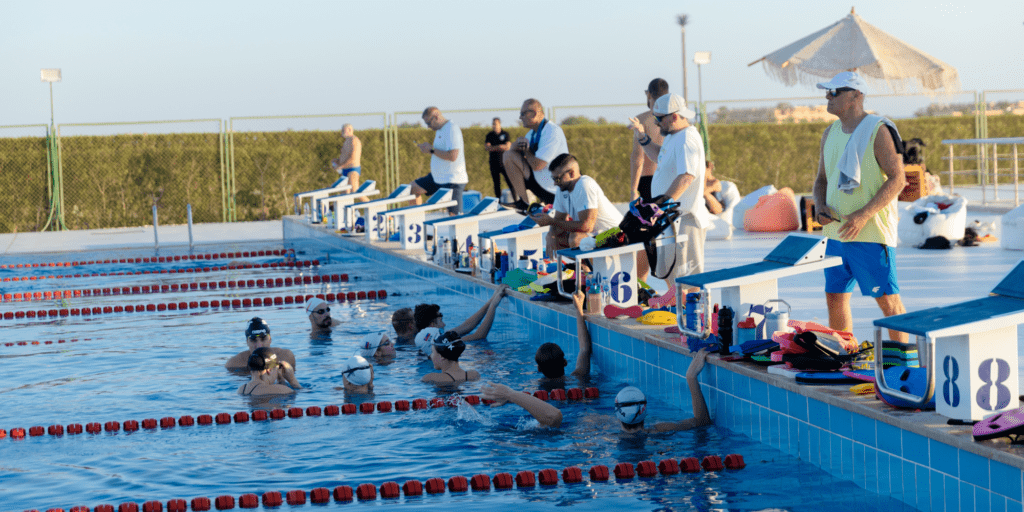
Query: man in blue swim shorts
column 860, row 174
column 347, row 164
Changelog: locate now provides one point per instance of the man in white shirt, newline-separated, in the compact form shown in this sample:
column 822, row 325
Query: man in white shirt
column 680, row 175
column 447, row 160
column 581, row 208
column 527, row 163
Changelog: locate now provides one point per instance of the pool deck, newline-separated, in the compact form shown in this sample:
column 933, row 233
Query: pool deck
column 913, row 456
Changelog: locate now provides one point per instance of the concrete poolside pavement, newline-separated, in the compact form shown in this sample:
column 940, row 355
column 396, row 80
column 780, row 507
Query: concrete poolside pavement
column 139, row 237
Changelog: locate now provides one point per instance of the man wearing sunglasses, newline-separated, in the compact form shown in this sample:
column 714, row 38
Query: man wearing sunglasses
column 320, row 315
column 257, row 334
column 860, row 175
column 680, row 175
column 527, row 163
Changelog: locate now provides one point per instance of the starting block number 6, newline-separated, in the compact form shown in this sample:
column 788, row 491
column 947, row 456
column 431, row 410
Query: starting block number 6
column 621, row 291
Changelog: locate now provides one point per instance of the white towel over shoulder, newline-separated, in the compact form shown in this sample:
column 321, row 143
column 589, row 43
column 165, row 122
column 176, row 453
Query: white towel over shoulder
column 849, row 162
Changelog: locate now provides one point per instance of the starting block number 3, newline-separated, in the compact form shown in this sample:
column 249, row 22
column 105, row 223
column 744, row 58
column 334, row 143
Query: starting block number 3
column 992, row 393
column 414, row 236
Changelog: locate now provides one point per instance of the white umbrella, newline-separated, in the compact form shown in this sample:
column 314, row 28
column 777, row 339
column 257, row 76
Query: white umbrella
column 851, row 44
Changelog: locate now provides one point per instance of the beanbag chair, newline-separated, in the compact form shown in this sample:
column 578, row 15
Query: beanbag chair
column 748, row 202
column 1013, row 229
column 933, row 216
column 773, row 213
column 721, row 224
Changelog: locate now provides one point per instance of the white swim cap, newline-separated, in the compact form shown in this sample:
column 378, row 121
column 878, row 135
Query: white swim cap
column 368, row 347
column 426, row 338
column 630, row 405
column 313, row 304
column 357, row 370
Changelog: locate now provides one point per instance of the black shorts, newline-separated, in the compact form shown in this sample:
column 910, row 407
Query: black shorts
column 428, row 184
column 542, row 193
column 644, row 188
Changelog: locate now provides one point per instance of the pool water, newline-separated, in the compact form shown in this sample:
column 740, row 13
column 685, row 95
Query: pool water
column 155, row 365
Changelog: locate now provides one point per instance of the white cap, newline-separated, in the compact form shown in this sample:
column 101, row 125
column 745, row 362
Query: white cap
column 672, row 104
column 845, row 79
column 630, row 405
column 368, row 347
column 426, row 338
column 357, row 370
column 314, row 303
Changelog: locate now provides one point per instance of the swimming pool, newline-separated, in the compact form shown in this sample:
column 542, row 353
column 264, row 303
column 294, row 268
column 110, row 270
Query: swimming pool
column 170, row 364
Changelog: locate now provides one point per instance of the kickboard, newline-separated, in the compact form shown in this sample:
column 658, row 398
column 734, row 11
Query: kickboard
column 1009, row 423
column 908, row 380
column 861, row 375
column 825, row 378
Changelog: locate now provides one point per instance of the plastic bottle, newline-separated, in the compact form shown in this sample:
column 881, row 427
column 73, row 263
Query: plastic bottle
column 692, row 319
column 595, row 302
column 606, row 290
column 725, row 316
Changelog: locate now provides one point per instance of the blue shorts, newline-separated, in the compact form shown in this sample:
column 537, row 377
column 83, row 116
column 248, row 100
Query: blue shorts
column 871, row 265
column 344, row 172
column 428, row 184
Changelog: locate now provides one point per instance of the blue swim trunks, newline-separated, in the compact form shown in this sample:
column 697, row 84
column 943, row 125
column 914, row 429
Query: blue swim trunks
column 344, row 172
column 871, row 265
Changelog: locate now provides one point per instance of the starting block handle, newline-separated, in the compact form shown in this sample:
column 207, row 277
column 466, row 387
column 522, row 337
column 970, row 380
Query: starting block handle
column 919, row 402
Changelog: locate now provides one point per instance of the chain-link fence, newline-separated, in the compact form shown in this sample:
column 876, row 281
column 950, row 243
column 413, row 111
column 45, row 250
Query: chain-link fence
column 113, row 173
column 273, row 157
column 25, row 180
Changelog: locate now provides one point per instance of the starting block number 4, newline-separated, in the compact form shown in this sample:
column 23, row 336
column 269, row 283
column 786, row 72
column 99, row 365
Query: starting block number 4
column 973, row 377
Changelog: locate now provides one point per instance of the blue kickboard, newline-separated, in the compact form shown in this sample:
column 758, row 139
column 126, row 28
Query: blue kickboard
column 908, row 380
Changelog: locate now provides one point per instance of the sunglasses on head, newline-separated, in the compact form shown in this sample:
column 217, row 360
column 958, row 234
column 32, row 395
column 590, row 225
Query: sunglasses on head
column 832, row 93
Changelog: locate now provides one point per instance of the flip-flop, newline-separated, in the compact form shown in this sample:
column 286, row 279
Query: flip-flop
column 613, row 311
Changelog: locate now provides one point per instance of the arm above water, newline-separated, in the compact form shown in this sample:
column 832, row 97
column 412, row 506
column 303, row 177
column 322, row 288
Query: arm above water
column 545, row 413
column 583, row 337
column 701, row 416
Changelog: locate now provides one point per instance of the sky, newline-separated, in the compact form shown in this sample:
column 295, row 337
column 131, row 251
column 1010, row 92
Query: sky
column 164, row 60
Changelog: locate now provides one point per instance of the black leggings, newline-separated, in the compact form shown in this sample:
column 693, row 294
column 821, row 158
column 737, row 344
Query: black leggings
column 497, row 171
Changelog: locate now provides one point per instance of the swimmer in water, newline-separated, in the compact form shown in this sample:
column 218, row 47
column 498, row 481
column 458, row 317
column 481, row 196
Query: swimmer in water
column 551, row 359
column 357, row 375
column 257, row 335
column 269, row 376
column 377, row 346
column 429, row 315
column 445, row 350
column 320, row 315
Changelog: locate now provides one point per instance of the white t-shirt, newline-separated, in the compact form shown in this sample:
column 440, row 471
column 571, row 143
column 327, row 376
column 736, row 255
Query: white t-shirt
column 443, row 171
column 587, row 195
column 551, row 144
column 683, row 153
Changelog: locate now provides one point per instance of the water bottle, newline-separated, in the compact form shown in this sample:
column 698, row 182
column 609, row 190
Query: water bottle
column 606, row 291
column 725, row 316
column 309, row 216
column 692, row 299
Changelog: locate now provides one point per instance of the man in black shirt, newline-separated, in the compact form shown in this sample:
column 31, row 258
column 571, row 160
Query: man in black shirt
column 497, row 143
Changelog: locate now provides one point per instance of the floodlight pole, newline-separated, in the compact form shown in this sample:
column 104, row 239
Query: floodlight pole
column 682, row 19
column 698, row 59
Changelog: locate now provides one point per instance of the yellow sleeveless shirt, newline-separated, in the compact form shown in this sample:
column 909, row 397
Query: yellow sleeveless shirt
column 882, row 227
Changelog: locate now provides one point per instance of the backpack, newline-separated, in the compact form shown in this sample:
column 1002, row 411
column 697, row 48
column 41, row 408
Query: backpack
column 645, row 221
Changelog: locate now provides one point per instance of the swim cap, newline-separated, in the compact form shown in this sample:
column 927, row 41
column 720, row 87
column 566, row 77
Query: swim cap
column 256, row 327
column 426, row 338
column 313, row 304
column 262, row 359
column 630, row 405
column 450, row 346
column 370, row 342
column 357, row 370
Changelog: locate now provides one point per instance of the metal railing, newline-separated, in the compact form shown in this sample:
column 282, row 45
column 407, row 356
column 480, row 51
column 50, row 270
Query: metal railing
column 981, row 172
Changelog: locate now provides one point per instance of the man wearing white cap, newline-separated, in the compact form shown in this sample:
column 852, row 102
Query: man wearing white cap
column 860, row 175
column 680, row 176
column 320, row 315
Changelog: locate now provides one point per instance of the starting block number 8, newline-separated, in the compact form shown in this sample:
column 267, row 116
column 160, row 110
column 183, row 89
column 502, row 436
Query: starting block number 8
column 992, row 394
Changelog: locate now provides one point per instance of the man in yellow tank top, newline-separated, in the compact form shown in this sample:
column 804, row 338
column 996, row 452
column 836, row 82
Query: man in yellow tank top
column 860, row 174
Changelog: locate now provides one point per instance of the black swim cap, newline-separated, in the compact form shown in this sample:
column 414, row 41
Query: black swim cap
column 262, row 359
column 256, row 327
column 450, row 346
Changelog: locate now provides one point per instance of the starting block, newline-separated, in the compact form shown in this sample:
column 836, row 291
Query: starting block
column 344, row 219
column 756, row 283
column 464, row 227
column 338, row 187
column 372, row 210
column 410, row 219
column 617, row 263
column 974, row 346
column 523, row 239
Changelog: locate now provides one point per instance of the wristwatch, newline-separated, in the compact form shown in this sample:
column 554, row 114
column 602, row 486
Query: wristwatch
column 431, row 151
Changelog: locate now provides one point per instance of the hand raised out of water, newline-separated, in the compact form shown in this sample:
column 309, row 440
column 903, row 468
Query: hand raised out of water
column 697, row 364
column 497, row 392
column 577, row 300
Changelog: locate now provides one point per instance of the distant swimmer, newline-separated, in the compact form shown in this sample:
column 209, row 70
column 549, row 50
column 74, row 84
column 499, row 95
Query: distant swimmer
column 551, row 359
column 320, row 315
column 377, row 346
column 404, row 324
column 270, row 376
column 257, row 335
column 347, row 164
column 445, row 350
column 429, row 315
column 630, row 404
column 357, row 375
